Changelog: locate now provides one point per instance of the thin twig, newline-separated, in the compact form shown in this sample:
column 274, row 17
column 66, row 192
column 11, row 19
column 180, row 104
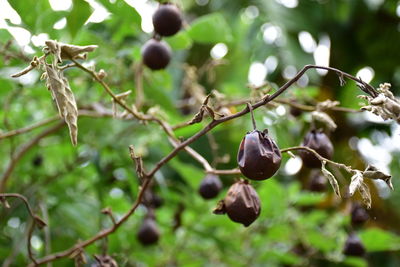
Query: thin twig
column 29, row 247
column 99, row 235
column 148, row 176
column 21, row 152
column 24, row 199
column 340, row 165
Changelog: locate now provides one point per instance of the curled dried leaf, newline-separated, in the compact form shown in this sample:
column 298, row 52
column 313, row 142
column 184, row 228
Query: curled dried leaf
column 64, row 98
column 372, row 172
column 365, row 194
column 324, row 118
column 356, row 181
column 331, row 178
column 385, row 104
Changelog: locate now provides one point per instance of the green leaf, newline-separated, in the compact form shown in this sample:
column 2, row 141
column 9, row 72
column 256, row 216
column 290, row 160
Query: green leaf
column 37, row 17
column 124, row 20
column 210, row 29
column 375, row 239
column 78, row 16
column 180, row 41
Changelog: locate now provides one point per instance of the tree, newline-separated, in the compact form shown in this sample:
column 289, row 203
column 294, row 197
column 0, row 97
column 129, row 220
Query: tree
column 233, row 67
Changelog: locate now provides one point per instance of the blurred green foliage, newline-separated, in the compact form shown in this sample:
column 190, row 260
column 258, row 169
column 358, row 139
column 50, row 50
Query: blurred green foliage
column 296, row 227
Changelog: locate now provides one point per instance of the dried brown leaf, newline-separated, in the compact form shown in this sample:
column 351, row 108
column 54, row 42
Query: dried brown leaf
column 331, row 178
column 64, row 98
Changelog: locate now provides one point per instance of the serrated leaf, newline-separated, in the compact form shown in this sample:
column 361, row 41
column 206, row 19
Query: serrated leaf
column 356, row 181
column 79, row 14
column 332, row 180
column 210, row 29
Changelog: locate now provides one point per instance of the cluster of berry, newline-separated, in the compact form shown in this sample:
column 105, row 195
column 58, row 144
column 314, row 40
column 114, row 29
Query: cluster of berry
column 167, row 21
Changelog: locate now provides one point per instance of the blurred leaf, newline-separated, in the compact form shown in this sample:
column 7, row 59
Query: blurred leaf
column 79, row 14
column 375, row 239
column 124, row 20
column 355, row 262
column 37, row 17
column 180, row 41
column 211, row 28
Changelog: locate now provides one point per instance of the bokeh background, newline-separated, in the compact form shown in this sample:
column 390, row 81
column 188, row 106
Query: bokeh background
column 229, row 46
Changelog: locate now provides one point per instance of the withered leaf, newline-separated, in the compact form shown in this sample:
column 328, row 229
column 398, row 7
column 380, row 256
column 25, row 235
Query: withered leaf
column 64, row 98
column 332, row 180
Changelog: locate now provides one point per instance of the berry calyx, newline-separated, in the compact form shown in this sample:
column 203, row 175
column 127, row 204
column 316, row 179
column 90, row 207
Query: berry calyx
column 167, row 20
column 156, row 54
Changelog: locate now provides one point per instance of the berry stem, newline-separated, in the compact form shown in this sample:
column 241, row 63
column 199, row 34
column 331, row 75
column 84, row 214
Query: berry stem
column 252, row 116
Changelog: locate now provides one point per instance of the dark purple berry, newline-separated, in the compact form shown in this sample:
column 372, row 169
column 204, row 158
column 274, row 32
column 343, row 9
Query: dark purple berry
column 210, row 186
column 295, row 112
column 359, row 215
column 317, row 182
column 148, row 233
column 319, row 141
column 156, row 54
column 241, row 203
column 167, row 20
column 259, row 157
column 37, row 161
column 353, row 246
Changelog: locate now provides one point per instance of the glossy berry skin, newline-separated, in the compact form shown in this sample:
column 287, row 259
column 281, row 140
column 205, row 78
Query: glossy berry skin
column 320, row 142
column 148, row 233
column 353, row 246
column 259, row 157
column 242, row 203
column 317, row 182
column 167, row 20
column 156, row 54
column 210, row 186
column 358, row 215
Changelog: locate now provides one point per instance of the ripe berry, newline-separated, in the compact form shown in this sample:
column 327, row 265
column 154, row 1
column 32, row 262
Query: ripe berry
column 358, row 215
column 259, row 157
column 317, row 182
column 353, row 246
column 37, row 161
column 319, row 141
column 241, row 203
column 148, row 233
column 295, row 112
column 210, row 186
column 152, row 200
column 167, row 20
column 156, row 54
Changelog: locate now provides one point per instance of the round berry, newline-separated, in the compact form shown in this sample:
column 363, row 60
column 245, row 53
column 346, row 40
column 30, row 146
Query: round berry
column 167, row 20
column 156, row 54
column 259, row 157
column 210, row 186
column 318, row 141
column 148, row 233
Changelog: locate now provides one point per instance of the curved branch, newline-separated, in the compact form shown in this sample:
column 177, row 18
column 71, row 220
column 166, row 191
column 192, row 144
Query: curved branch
column 21, row 152
column 183, row 145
